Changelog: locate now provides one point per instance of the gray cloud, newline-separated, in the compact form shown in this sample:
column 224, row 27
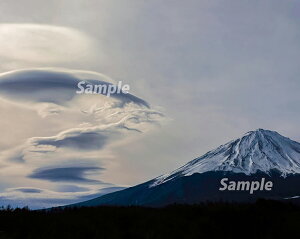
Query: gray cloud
column 65, row 174
column 54, row 86
column 29, row 190
column 82, row 141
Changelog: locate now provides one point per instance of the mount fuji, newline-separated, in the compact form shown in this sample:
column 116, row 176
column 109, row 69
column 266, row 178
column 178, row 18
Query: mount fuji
column 256, row 151
column 257, row 155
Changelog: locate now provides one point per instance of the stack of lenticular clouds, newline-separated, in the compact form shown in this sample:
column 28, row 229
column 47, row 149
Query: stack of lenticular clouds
column 69, row 138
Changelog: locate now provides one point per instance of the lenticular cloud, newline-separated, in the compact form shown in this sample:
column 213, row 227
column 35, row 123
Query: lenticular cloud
column 56, row 86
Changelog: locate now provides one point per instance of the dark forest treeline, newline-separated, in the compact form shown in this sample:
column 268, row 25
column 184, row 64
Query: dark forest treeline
column 264, row 219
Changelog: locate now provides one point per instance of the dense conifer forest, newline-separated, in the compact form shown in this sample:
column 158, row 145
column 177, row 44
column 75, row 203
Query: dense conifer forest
column 264, row 219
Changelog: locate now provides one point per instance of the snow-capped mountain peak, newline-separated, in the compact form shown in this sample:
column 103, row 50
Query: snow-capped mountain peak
column 259, row 150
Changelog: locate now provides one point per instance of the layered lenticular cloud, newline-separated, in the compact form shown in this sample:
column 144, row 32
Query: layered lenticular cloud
column 40, row 85
column 77, row 132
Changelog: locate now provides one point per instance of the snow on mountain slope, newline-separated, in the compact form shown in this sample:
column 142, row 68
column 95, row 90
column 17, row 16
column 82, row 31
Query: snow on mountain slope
column 259, row 150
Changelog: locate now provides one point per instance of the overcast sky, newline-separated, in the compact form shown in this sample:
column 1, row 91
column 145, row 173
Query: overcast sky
column 210, row 71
